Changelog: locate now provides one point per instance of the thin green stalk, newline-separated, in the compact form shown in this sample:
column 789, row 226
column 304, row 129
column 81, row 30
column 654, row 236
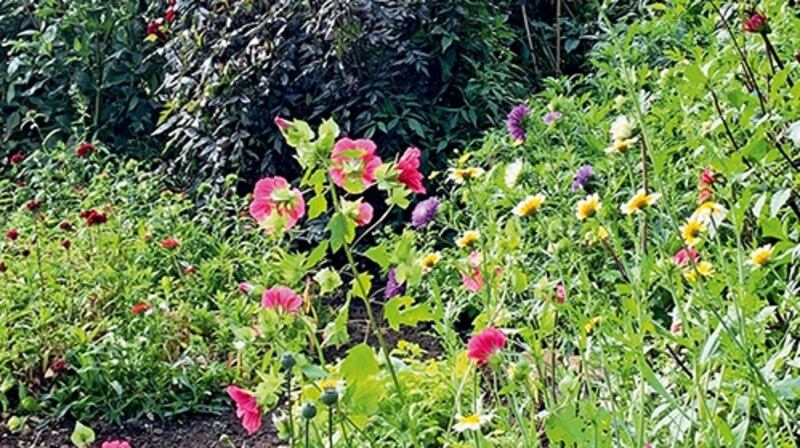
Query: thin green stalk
column 330, row 427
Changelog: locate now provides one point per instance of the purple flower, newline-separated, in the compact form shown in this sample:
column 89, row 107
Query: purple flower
column 582, row 177
column 393, row 288
column 424, row 212
column 551, row 117
column 514, row 122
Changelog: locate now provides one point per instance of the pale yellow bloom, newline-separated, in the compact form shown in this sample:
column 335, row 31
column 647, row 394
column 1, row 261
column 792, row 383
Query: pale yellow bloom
column 529, row 205
column 621, row 128
column 761, row 256
column 430, row 260
column 602, row 233
column 472, row 422
column 512, row 172
column 619, row 101
column 621, row 145
column 588, row 207
column 639, row 202
column 461, row 175
column 711, row 214
column 592, row 324
column 703, row 268
column 468, row 238
column 691, row 231
column 337, row 385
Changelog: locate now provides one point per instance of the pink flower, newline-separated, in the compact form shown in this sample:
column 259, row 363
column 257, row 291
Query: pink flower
column 116, row 444
column 756, row 23
column 682, row 257
column 274, row 198
column 704, row 195
column 245, row 288
column 409, row 170
column 561, row 293
column 282, row 298
column 364, row 216
column 169, row 16
column 707, row 176
column 676, row 327
column 281, row 123
column 246, row 408
column 354, row 164
column 485, row 344
column 473, row 280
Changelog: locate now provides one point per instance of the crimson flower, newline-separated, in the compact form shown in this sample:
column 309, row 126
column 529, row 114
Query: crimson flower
column 170, row 243
column 33, row 205
column 12, row 234
column 485, row 344
column 65, row 225
column 140, row 308
column 756, row 23
column 93, row 217
column 16, row 158
column 84, row 149
column 409, row 170
column 169, row 16
column 154, row 28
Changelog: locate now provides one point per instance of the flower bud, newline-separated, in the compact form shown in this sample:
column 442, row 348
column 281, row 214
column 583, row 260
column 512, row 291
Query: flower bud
column 287, row 362
column 329, row 396
column 308, row 411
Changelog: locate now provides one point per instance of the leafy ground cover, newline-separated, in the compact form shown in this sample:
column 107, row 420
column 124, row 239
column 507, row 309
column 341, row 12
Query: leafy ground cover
column 615, row 267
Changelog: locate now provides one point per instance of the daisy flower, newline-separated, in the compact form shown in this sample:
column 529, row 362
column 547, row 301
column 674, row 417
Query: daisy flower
column 430, row 260
column 461, row 175
column 691, row 231
column 588, row 207
column 639, row 202
column 468, row 238
column 711, row 214
column 761, row 256
column 472, row 422
column 621, row 128
column 529, row 205
column 704, row 268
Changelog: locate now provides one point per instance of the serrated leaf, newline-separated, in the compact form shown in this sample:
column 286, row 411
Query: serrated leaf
column 402, row 311
column 361, row 286
column 359, row 364
column 317, row 205
column 380, row 256
column 328, row 280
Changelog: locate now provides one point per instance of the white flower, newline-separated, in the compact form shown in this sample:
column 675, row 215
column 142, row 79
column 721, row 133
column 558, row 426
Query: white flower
column 621, row 129
column 471, row 422
column 512, row 173
column 711, row 214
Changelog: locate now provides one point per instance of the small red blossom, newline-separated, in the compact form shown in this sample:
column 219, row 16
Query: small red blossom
column 140, row 308
column 12, row 234
column 66, row 244
column 169, row 16
column 189, row 270
column 93, row 217
column 33, row 205
column 16, row 158
column 170, row 243
column 155, row 28
column 485, row 344
column 65, row 226
column 84, row 149
column 707, row 176
column 756, row 23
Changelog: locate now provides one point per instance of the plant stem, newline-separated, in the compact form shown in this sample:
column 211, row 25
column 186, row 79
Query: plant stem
column 308, row 423
column 330, row 427
column 289, row 397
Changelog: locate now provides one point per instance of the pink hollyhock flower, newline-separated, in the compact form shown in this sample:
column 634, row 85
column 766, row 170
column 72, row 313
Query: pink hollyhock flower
column 12, row 234
column 16, row 158
column 756, row 23
column 281, row 123
column 274, row 198
column 84, row 149
column 683, row 256
column 282, row 298
column 140, row 308
column 116, row 444
column 354, row 164
column 473, row 280
column 364, row 216
column 170, row 243
column 246, row 408
column 409, row 170
column 485, row 344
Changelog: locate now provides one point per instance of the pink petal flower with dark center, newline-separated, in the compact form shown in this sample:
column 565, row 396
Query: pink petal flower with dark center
column 281, row 298
column 275, row 200
column 246, row 408
column 354, row 164
column 408, row 165
column 485, row 344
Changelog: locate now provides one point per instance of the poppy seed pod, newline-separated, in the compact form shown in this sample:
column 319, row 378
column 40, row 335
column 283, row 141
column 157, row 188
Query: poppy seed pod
column 308, row 411
column 329, row 396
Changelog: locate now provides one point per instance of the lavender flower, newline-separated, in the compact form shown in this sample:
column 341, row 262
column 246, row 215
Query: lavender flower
column 424, row 212
column 393, row 288
column 582, row 177
column 514, row 122
column 551, row 117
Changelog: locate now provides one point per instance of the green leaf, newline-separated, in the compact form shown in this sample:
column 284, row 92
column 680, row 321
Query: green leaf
column 317, row 254
column 317, row 205
column 366, row 396
column 361, row 286
column 343, row 230
column 402, row 311
column 359, row 364
column 314, row 372
column 380, row 256
column 695, row 75
column 82, row 435
column 328, row 280
column 778, row 200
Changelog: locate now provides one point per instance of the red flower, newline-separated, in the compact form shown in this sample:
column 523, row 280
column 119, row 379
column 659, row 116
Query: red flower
column 33, row 205
column 140, row 308
column 170, row 15
column 154, row 28
column 93, row 217
column 65, row 225
column 756, row 23
column 485, row 344
column 246, row 408
column 16, row 158
column 84, row 149
column 409, row 170
column 66, row 244
column 170, row 243
column 3, row 267
column 12, row 234
column 707, row 176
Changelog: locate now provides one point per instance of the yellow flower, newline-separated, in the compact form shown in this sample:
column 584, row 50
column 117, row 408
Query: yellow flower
column 471, row 422
column 331, row 384
column 529, row 205
column 711, row 214
column 602, row 233
column 639, row 202
column 691, row 231
column 468, row 238
column 592, row 324
column 463, row 159
column 703, row 268
column 433, row 175
column 461, row 175
column 588, row 207
column 761, row 256
column 430, row 260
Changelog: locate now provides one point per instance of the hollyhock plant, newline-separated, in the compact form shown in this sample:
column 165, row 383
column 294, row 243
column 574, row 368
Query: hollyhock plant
column 116, row 444
column 247, row 409
column 281, row 123
column 12, row 234
column 409, row 175
column 485, row 344
column 582, row 177
column 515, row 121
column 364, row 215
column 424, row 212
column 393, row 287
column 282, row 299
column 84, row 149
column 354, row 163
column 275, row 202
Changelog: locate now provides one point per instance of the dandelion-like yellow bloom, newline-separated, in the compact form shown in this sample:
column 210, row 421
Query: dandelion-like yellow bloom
column 691, row 231
column 588, row 207
column 761, row 256
column 529, row 205
column 592, row 324
column 471, row 422
column 430, row 260
column 703, row 268
column 639, row 202
column 468, row 238
column 461, row 175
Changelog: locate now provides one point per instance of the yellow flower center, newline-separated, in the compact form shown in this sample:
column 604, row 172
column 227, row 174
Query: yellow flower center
column 467, row 239
column 473, row 419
